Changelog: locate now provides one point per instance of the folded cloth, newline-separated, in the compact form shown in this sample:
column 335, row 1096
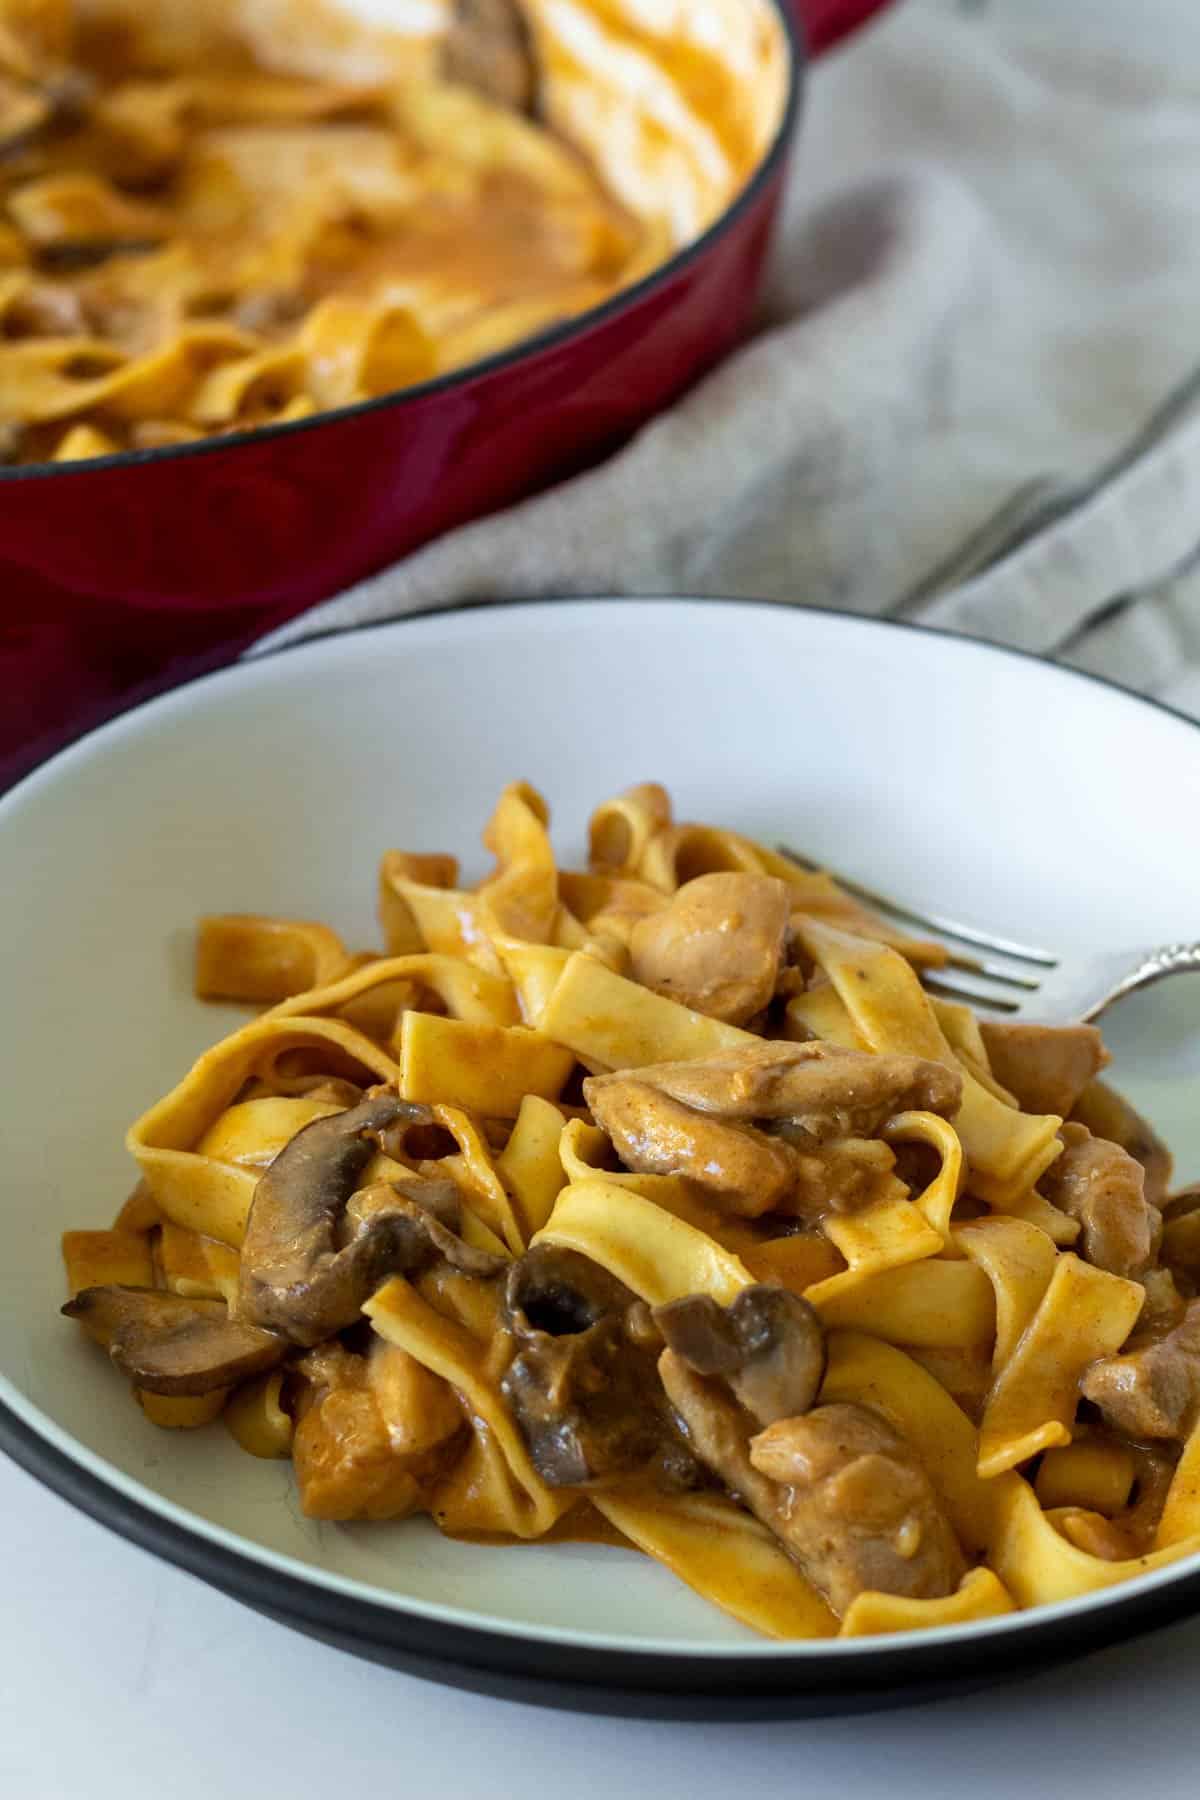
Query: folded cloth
column 987, row 272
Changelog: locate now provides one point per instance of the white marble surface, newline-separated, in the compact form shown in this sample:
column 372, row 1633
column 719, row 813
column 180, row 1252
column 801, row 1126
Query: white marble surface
column 121, row 1678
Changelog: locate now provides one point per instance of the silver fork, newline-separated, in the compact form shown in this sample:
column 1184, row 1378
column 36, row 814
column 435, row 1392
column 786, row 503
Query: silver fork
column 1030, row 983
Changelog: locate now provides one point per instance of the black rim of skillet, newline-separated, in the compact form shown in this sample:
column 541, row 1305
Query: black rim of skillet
column 625, row 299
column 629, row 1682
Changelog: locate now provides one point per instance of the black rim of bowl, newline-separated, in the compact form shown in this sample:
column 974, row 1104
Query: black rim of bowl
column 545, row 1670
column 525, row 350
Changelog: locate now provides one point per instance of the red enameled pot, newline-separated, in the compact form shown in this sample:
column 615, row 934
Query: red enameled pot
column 143, row 568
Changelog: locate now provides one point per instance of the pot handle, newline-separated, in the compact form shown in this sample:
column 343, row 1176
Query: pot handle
column 826, row 22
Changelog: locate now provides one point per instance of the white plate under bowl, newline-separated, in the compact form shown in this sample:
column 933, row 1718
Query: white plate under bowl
column 965, row 778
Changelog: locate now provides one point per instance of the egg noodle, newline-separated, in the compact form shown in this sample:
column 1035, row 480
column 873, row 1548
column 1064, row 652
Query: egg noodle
column 217, row 216
column 658, row 1203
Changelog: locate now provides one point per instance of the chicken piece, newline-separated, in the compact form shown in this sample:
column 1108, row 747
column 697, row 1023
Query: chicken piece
column 1108, row 1114
column 769, row 1345
column 1154, row 1391
column 1162, row 1309
column 1102, row 1186
column 838, row 1487
column 824, row 1091
column 716, row 948
column 354, row 1457
column 745, row 1171
column 418, row 1408
column 1044, row 1067
column 861, row 1502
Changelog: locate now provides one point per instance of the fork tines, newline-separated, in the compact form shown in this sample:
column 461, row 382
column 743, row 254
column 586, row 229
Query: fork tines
column 1003, row 975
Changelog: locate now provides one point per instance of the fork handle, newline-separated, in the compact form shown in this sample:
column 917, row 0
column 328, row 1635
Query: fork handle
column 1156, row 965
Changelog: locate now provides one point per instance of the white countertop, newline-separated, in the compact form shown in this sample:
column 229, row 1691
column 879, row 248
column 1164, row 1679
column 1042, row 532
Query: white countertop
column 121, row 1678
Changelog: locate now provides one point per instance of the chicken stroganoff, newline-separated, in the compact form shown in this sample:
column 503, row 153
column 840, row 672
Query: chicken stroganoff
column 226, row 214
column 658, row 1203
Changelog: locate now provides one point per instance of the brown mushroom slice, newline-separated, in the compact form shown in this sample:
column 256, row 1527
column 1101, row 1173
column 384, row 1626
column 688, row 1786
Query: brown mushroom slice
column 409, row 1224
column 294, row 1277
column 558, row 1292
column 831, row 1093
column 488, row 47
column 397, row 1228
column 580, row 1402
column 716, row 947
column 172, row 1344
column 769, row 1345
column 583, row 1388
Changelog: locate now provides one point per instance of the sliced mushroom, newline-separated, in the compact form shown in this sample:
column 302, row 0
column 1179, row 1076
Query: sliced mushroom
column 557, row 1293
column 413, row 1223
column 294, row 1277
column 769, row 1345
column 488, row 47
column 171, row 1344
column 583, row 1387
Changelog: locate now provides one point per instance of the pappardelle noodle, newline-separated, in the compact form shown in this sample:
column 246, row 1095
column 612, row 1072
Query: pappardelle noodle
column 657, row 1202
column 222, row 215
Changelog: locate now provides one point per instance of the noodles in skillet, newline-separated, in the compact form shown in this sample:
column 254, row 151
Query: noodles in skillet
column 234, row 213
column 658, row 1201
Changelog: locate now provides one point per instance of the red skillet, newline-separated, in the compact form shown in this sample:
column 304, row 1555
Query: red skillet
column 140, row 569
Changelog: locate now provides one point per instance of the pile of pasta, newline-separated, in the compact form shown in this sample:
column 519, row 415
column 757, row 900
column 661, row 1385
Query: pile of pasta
column 224, row 216
column 953, row 1304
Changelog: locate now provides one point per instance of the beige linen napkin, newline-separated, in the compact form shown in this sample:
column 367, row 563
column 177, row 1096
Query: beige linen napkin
column 988, row 271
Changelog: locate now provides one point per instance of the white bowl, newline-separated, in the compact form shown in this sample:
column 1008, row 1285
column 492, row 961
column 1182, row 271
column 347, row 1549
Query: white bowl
column 965, row 778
